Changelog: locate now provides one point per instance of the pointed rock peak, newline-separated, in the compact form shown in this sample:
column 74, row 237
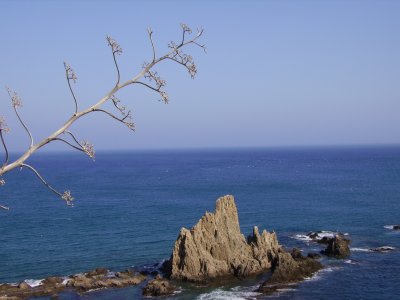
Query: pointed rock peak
column 216, row 247
column 225, row 203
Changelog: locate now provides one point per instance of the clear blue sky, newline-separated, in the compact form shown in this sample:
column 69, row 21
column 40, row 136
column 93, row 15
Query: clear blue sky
column 276, row 73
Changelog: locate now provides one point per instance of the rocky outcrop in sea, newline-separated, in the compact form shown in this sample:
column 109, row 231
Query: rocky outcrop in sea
column 215, row 247
column 99, row 278
column 338, row 247
column 289, row 268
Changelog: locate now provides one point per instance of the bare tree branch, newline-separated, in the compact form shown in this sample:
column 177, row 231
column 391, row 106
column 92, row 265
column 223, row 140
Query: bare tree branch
column 157, row 84
column 4, row 128
column 70, row 75
column 150, row 32
column 73, row 137
column 65, row 196
column 116, row 50
column 69, row 144
column 5, row 148
column 130, row 125
column 17, row 102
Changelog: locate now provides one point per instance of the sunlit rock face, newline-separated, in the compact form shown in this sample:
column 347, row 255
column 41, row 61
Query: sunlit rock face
column 215, row 247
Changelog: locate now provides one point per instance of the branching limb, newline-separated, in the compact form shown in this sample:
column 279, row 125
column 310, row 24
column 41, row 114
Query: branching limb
column 156, row 84
column 5, row 129
column 5, row 148
column 163, row 94
column 116, row 50
column 116, row 102
column 150, row 32
column 69, row 144
column 2, row 182
column 70, row 75
column 66, row 196
column 126, row 120
column 83, row 146
column 73, row 136
column 17, row 102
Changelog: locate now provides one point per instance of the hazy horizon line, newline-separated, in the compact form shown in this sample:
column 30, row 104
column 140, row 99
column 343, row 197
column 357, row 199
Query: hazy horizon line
column 222, row 148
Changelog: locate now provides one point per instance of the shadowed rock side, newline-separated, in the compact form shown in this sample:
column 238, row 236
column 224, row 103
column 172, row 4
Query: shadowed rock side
column 289, row 269
column 338, row 247
column 215, row 247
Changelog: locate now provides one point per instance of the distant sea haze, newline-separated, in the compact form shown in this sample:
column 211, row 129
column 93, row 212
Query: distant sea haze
column 130, row 207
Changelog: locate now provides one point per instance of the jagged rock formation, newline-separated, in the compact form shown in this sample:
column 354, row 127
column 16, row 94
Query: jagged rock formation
column 215, row 247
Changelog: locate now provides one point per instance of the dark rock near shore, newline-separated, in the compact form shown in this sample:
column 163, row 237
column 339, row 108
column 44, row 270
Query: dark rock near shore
column 313, row 255
column 159, row 287
column 288, row 269
column 215, row 247
column 324, row 240
column 338, row 247
column 296, row 254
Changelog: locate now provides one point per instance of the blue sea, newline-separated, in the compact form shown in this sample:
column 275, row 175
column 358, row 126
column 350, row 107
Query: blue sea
column 130, row 207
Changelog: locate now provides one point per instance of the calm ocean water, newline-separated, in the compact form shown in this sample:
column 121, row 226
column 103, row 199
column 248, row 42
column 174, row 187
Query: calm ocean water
column 130, row 207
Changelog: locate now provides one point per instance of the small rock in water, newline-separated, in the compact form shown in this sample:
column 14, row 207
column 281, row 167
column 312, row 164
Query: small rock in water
column 313, row 255
column 323, row 237
column 338, row 247
column 383, row 249
column 396, row 227
column 159, row 287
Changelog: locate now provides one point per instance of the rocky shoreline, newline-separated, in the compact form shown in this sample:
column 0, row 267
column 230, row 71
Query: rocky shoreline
column 211, row 250
column 99, row 278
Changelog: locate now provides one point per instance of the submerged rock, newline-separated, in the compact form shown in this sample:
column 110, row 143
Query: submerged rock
column 338, row 247
column 215, row 247
column 383, row 249
column 159, row 287
column 289, row 268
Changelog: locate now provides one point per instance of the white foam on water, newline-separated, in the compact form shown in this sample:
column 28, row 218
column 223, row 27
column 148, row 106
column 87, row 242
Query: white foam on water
column 233, row 294
column 65, row 281
column 350, row 262
column 329, row 234
column 33, row 282
column 110, row 274
column 391, row 227
column 319, row 235
column 302, row 237
column 360, row 249
column 286, row 290
column 320, row 273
